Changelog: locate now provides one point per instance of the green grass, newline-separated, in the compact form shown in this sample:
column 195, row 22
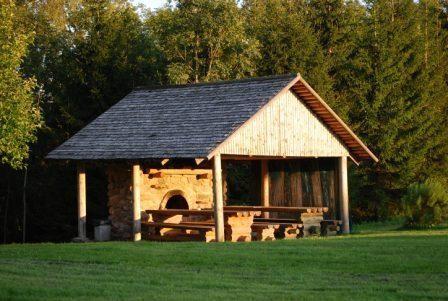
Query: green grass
column 371, row 265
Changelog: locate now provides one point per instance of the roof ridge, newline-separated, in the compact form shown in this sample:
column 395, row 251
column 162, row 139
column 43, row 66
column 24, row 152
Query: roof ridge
column 215, row 83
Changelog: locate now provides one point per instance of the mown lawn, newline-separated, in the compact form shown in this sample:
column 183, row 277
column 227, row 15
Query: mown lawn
column 370, row 265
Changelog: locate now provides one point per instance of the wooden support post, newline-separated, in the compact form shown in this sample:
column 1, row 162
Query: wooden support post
column 265, row 186
column 217, row 197
column 136, row 202
column 343, row 194
column 82, row 216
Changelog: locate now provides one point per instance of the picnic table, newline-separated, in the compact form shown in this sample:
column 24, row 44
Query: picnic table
column 307, row 220
column 242, row 223
column 237, row 222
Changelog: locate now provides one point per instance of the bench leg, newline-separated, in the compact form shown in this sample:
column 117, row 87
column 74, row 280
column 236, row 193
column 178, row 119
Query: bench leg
column 311, row 223
column 209, row 236
column 260, row 234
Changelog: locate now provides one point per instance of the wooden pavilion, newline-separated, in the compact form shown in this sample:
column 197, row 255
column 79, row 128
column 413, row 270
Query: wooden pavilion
column 165, row 147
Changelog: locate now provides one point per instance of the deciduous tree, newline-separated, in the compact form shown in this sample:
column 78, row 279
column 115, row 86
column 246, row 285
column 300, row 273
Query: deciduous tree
column 19, row 110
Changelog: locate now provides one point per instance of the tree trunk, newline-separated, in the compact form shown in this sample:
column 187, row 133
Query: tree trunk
column 5, row 217
column 25, row 176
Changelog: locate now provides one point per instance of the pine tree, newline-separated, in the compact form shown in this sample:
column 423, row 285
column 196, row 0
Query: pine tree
column 288, row 43
column 340, row 26
column 399, row 119
column 86, row 56
column 434, row 89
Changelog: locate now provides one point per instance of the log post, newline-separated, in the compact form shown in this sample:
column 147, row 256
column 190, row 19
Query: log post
column 343, row 194
column 136, row 202
column 265, row 186
column 82, row 192
column 217, row 197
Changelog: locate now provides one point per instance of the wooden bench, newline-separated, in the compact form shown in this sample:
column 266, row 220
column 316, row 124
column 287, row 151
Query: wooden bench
column 263, row 231
column 310, row 217
column 330, row 227
column 284, row 228
column 237, row 223
column 202, row 231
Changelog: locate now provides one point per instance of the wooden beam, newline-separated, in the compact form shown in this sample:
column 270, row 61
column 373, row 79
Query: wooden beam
column 160, row 172
column 203, row 176
column 301, row 83
column 217, row 197
column 343, row 194
column 136, row 216
column 82, row 192
column 199, row 160
column 265, row 186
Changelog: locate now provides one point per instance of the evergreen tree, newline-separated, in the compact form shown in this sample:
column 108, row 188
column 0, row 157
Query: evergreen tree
column 340, row 26
column 203, row 40
column 398, row 118
column 86, row 56
column 434, row 89
column 288, row 43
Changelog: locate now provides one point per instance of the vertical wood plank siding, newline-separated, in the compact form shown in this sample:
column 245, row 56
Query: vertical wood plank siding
column 284, row 127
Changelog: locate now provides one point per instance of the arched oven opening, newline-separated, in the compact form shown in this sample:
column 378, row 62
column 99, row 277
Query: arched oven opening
column 176, row 202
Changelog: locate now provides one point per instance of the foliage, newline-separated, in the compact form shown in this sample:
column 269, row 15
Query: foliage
column 425, row 204
column 94, row 54
column 381, row 64
column 402, row 116
column 287, row 42
column 19, row 112
column 340, row 27
column 203, row 40
column 86, row 55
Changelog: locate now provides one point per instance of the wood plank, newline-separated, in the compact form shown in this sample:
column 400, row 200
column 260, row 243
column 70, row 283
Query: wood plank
column 180, row 226
column 278, row 209
column 82, row 193
column 265, row 185
column 205, row 212
column 136, row 202
column 276, row 131
column 343, row 194
column 218, row 199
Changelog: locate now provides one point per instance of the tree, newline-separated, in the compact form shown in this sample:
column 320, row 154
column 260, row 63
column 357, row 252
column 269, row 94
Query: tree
column 19, row 112
column 399, row 117
column 203, row 40
column 433, row 87
column 86, row 55
column 287, row 42
column 340, row 26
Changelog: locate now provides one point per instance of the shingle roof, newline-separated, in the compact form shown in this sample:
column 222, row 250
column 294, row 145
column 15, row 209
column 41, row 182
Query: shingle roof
column 174, row 122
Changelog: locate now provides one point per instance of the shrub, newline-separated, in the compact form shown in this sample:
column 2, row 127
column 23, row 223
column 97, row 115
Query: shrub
column 425, row 204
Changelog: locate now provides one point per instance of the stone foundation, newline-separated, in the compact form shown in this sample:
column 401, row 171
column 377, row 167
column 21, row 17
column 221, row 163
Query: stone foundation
column 157, row 187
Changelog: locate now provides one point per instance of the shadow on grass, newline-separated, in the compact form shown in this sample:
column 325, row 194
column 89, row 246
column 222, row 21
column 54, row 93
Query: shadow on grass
column 395, row 228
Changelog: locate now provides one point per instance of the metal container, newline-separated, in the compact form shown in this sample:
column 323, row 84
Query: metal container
column 102, row 232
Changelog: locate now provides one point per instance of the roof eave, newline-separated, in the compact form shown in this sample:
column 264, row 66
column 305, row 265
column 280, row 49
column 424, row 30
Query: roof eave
column 343, row 124
column 355, row 158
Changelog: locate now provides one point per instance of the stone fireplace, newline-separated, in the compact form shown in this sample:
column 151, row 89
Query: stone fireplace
column 166, row 188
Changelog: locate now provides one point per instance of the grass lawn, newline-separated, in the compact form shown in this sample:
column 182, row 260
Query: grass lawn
column 370, row 265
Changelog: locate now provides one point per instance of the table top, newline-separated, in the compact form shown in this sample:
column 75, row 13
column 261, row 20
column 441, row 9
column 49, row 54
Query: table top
column 279, row 209
column 207, row 212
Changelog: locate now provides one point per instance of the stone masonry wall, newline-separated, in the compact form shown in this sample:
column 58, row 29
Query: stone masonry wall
column 120, row 201
column 157, row 186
